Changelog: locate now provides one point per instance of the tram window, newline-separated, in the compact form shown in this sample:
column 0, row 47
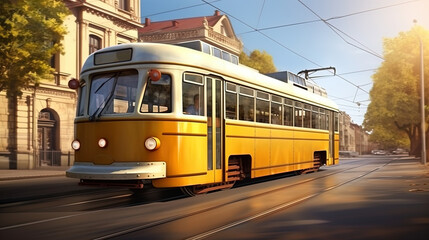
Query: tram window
column 113, row 93
column 231, row 101
column 193, row 95
column 217, row 52
column 157, row 96
column 262, row 107
column 234, row 59
column 246, row 104
column 226, row 56
column 288, row 115
column 336, row 122
column 276, row 113
column 322, row 119
column 307, row 116
column 82, row 100
column 328, row 119
column 298, row 114
column 315, row 120
column 206, row 48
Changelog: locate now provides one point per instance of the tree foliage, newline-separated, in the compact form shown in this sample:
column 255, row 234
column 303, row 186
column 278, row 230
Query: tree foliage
column 261, row 61
column 30, row 33
column 393, row 116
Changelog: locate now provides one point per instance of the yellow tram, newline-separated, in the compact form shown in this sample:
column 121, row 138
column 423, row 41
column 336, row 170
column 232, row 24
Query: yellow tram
column 171, row 116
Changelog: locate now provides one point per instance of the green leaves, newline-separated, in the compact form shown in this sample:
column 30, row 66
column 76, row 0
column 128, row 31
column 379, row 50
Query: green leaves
column 30, row 33
column 261, row 61
column 393, row 113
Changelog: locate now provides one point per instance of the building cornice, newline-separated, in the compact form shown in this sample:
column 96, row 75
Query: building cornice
column 130, row 22
column 207, row 34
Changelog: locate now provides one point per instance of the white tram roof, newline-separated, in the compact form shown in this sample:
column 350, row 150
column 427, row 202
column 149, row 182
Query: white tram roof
column 157, row 53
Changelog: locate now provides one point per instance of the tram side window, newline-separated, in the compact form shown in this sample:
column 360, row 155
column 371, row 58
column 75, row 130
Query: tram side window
column 231, row 101
column 337, row 126
column 307, row 116
column 298, row 114
column 262, row 107
column 157, row 96
column 288, row 112
column 315, row 120
column 246, row 104
column 193, row 94
column 206, row 48
column 276, row 110
column 217, row 52
column 328, row 119
column 322, row 119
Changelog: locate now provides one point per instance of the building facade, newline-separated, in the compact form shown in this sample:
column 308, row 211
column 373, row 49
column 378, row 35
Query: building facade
column 45, row 119
column 215, row 30
column 353, row 138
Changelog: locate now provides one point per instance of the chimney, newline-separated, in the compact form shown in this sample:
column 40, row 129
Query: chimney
column 217, row 13
column 146, row 22
column 175, row 23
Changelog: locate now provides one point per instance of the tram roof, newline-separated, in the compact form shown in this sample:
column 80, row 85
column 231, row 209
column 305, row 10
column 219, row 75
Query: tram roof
column 158, row 53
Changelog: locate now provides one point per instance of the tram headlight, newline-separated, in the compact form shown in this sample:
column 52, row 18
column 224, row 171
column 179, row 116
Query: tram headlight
column 152, row 143
column 75, row 145
column 102, row 142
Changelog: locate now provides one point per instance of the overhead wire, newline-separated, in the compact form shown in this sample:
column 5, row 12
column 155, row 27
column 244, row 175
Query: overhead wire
column 331, row 18
column 260, row 13
column 280, row 44
column 336, row 30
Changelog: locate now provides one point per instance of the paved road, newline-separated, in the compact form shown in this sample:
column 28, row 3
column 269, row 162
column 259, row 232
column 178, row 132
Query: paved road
column 362, row 198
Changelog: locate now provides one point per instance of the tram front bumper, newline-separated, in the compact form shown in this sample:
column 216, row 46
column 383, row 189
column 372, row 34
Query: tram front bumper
column 118, row 171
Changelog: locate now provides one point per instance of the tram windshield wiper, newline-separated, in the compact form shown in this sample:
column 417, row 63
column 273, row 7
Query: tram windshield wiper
column 107, row 101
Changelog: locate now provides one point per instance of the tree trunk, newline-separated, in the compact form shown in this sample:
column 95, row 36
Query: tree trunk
column 415, row 142
column 12, row 127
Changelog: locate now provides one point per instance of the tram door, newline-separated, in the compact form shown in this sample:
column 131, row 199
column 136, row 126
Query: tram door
column 215, row 127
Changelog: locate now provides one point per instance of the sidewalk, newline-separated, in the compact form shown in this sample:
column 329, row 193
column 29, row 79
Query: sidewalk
column 13, row 174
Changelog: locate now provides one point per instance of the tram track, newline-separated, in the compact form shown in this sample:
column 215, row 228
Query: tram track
column 281, row 206
column 185, row 212
column 160, row 223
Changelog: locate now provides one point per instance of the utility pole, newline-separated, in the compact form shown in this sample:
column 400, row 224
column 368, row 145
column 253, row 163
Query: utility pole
column 422, row 85
column 422, row 101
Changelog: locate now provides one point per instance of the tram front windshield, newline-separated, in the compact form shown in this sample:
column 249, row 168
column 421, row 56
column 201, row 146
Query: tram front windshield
column 113, row 93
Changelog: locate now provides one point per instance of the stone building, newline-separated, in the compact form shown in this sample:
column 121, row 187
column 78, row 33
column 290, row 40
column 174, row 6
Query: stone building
column 347, row 133
column 215, row 30
column 353, row 137
column 46, row 113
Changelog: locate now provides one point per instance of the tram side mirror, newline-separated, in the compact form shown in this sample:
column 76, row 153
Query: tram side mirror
column 73, row 83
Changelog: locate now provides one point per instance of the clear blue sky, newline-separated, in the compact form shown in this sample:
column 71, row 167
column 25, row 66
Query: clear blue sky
column 293, row 33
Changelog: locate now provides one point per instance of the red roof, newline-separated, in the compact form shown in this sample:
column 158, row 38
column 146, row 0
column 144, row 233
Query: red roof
column 178, row 24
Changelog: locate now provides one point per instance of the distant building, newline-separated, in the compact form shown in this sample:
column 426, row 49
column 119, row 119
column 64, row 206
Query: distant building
column 45, row 125
column 353, row 138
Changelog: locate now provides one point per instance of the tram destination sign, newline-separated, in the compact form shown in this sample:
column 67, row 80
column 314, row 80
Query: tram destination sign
column 115, row 56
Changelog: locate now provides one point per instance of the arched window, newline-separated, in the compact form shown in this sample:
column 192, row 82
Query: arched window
column 94, row 43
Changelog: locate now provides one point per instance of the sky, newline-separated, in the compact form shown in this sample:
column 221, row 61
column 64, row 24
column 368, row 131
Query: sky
column 308, row 34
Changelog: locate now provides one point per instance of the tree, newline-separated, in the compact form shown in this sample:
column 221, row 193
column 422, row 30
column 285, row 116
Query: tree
column 261, row 61
column 393, row 115
column 30, row 34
